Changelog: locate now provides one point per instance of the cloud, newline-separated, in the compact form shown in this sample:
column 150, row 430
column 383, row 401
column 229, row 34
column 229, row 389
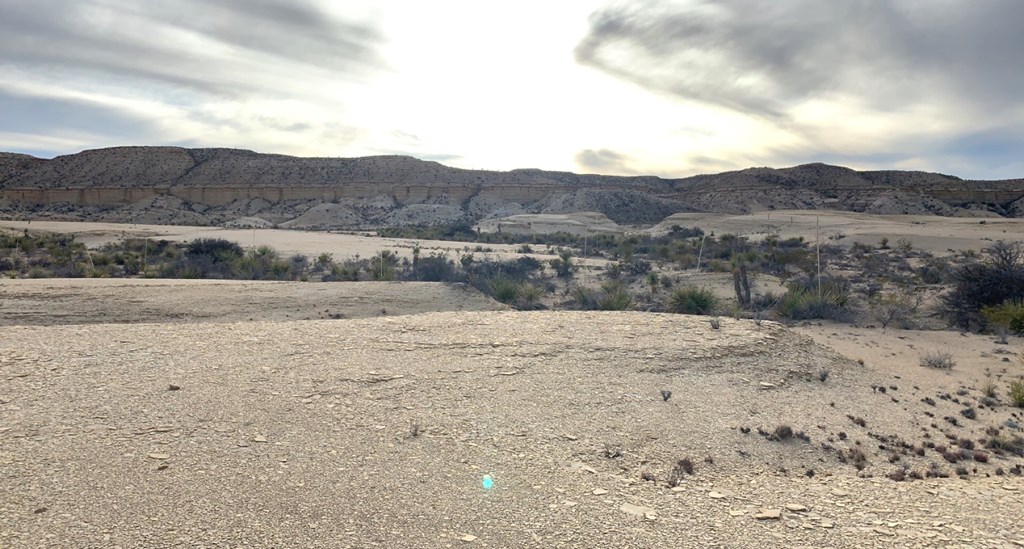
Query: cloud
column 603, row 161
column 26, row 114
column 252, row 73
column 925, row 84
column 767, row 57
column 213, row 47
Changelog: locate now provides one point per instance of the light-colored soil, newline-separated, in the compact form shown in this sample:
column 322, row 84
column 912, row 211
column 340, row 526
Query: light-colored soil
column 300, row 433
column 931, row 233
column 310, row 243
column 100, row 300
column 293, row 432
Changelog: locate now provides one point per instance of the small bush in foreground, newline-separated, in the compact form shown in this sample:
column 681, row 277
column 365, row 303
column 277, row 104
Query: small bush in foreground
column 682, row 468
column 938, row 360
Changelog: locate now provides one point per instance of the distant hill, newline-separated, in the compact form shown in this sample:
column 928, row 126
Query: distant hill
column 214, row 186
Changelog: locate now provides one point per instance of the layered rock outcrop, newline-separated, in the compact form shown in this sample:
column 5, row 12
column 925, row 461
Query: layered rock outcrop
column 212, row 185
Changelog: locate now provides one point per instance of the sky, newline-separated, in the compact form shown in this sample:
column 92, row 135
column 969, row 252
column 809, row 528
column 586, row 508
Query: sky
column 661, row 87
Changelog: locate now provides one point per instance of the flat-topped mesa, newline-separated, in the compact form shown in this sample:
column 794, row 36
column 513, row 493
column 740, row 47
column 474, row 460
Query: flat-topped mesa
column 114, row 177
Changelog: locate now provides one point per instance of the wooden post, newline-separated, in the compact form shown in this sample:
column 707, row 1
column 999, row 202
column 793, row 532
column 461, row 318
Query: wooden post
column 817, row 240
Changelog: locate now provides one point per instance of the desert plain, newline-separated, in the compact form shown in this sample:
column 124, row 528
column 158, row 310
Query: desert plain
column 170, row 413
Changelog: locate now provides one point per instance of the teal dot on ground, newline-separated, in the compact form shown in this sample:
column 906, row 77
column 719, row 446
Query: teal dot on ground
column 488, row 482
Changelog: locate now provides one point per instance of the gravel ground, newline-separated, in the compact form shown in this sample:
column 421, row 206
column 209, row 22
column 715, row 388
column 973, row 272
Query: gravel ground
column 48, row 301
column 378, row 432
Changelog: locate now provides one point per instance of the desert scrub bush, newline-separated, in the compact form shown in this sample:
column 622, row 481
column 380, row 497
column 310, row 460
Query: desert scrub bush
column 691, row 300
column 217, row 247
column 895, row 308
column 1002, row 442
column 324, row 262
column 563, row 266
column 584, row 297
column 503, row 289
column 614, row 297
column 938, row 360
column 383, row 266
column 767, row 300
column 682, row 468
column 997, row 279
column 989, row 388
column 528, row 297
column 1009, row 315
column 435, row 268
column 1017, row 393
column 346, row 271
column 806, row 299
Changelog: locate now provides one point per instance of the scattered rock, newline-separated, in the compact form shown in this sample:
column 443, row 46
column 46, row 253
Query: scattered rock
column 259, row 438
column 769, row 514
column 468, row 538
column 637, row 510
column 796, row 508
column 158, row 455
column 173, row 387
column 716, row 495
column 599, row 491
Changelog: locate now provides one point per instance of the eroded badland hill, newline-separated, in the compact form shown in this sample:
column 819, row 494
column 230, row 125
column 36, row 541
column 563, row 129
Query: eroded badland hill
column 216, row 186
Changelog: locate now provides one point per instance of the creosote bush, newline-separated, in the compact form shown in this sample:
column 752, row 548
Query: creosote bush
column 991, row 283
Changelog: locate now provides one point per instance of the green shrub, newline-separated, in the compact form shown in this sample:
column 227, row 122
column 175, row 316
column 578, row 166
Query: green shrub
column 503, row 289
column 990, row 283
column 528, row 297
column 382, row 266
column 1009, row 315
column 614, row 297
column 216, row 247
column 584, row 298
column 1017, row 393
column 691, row 300
column 347, row 271
column 805, row 300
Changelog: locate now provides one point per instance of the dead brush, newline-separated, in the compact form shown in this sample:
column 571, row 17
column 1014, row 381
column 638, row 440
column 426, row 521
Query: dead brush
column 682, row 468
column 938, row 360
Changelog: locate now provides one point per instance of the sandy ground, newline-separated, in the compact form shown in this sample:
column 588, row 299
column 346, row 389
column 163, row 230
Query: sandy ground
column 378, row 432
column 311, row 243
column 100, row 300
column 292, row 432
column 932, row 233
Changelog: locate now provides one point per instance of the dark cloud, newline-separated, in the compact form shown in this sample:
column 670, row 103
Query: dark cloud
column 768, row 57
column 23, row 114
column 603, row 161
column 214, row 46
